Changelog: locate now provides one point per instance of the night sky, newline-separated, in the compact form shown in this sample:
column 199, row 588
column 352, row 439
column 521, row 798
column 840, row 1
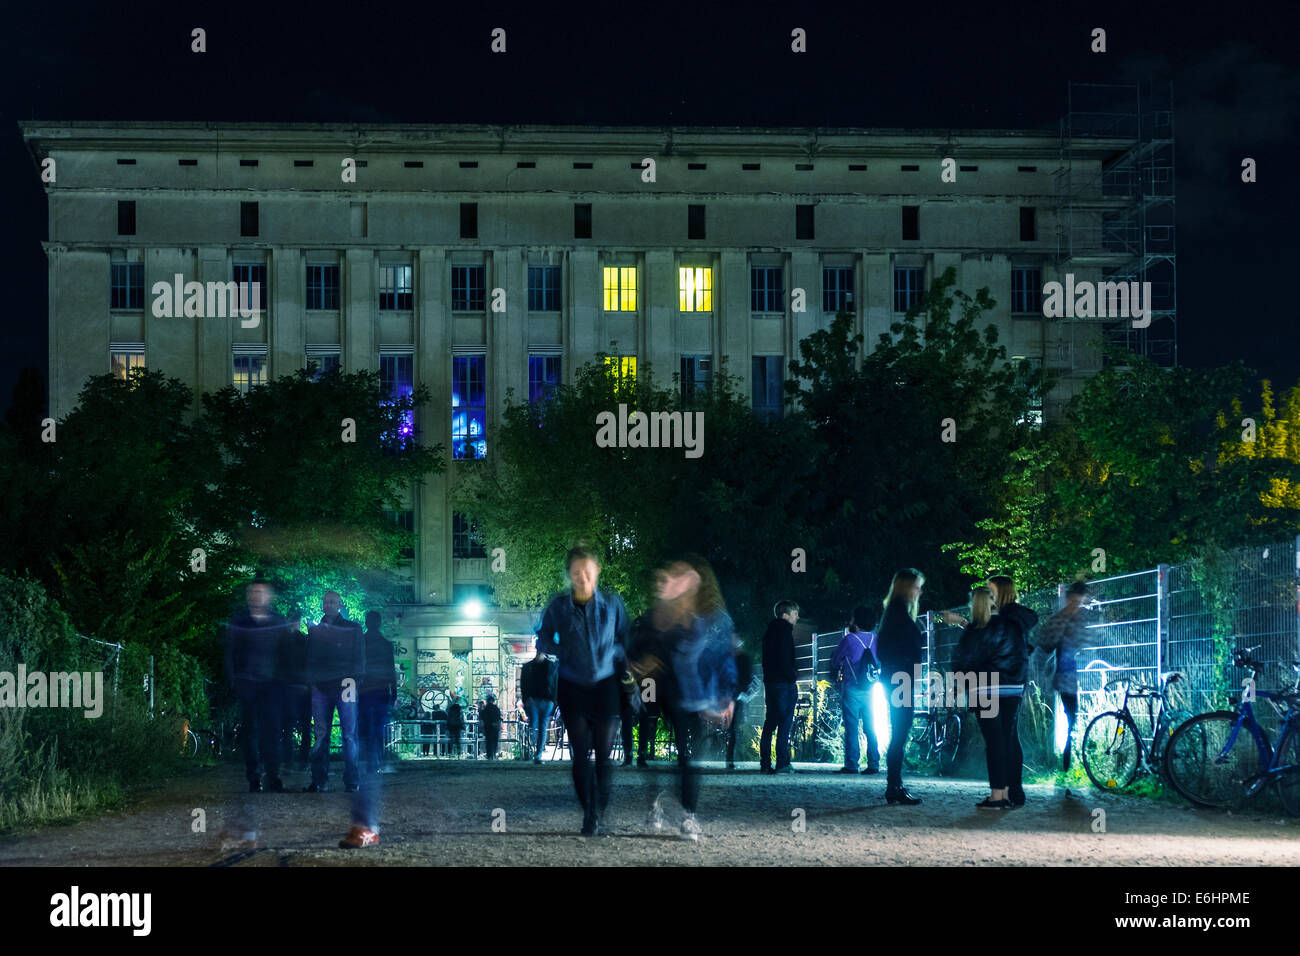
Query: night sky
column 1235, row 83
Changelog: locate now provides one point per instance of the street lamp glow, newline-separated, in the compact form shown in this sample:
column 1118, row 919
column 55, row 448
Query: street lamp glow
column 473, row 608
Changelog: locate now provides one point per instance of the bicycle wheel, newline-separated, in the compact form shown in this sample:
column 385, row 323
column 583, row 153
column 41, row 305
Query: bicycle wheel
column 1202, row 766
column 948, row 739
column 1111, row 750
column 190, row 745
column 1288, row 784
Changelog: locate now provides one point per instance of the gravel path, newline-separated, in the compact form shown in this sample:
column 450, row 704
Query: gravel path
column 443, row 814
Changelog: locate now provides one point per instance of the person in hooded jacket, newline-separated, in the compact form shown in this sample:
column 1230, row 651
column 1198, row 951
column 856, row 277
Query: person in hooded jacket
column 1009, row 608
column 993, row 647
column 900, row 647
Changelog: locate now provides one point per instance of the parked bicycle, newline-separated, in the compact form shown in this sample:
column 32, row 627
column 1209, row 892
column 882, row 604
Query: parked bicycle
column 204, row 741
column 1114, row 751
column 1211, row 763
column 940, row 736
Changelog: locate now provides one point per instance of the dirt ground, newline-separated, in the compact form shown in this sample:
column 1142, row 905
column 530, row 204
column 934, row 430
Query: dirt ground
column 443, row 814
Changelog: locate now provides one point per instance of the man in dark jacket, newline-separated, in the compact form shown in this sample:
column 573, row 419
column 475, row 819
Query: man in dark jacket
column 455, row 724
column 489, row 721
column 296, row 714
column 779, row 687
column 537, row 683
column 254, row 647
column 336, row 665
column 378, row 692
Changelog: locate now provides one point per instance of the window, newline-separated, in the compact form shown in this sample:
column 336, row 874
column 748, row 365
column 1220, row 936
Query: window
column 543, row 377
column 695, row 222
column 751, row 167
column 321, row 365
column 1026, row 169
column 1034, row 413
column 469, row 220
column 695, row 289
column 620, row 288
column 803, row 167
column 322, row 287
column 907, row 287
column 1028, row 227
column 803, row 222
column 968, row 169
column 466, row 539
column 468, row 407
column 697, row 165
column 837, row 288
column 544, row 288
column 621, row 368
column 582, row 220
column 250, row 371
column 1026, row 290
column 395, row 288
column 468, row 288
column 767, row 387
column 126, row 217
column 911, row 222
column 910, row 168
column 248, row 224
column 697, row 375
column 122, row 361
column 397, row 381
column 246, row 274
column 767, row 290
column 405, row 521
column 127, row 285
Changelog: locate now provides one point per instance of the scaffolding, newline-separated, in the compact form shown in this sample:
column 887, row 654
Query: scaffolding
column 1116, row 214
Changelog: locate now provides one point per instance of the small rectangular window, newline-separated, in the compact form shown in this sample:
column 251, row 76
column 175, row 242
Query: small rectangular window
column 697, row 165
column 126, row 285
column 1026, row 169
column 586, row 165
column 750, row 167
column 523, row 164
column 1028, row 225
column 126, row 162
column 695, row 222
column 803, row 222
column 582, row 220
column 414, row 164
column 303, row 163
column 187, row 162
column 248, row 219
column 469, row 164
column 910, row 168
column 126, row 217
column 911, row 222
column 907, row 287
column 803, row 167
column 968, row 169
column 857, row 167
column 469, row 220
column 248, row 162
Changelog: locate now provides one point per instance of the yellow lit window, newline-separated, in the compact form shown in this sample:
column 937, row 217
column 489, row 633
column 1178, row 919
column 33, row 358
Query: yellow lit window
column 123, row 362
column 696, row 292
column 620, row 288
column 622, row 368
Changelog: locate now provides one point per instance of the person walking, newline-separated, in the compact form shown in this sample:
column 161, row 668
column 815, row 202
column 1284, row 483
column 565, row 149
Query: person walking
column 900, row 646
column 336, row 665
column 780, row 690
column 296, row 714
column 1064, row 634
column 378, row 694
column 855, row 660
column 744, row 678
column 455, row 725
column 538, row 683
column 254, row 649
column 588, row 628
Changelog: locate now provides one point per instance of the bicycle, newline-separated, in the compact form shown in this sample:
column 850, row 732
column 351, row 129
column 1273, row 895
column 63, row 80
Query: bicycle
column 1212, row 764
column 941, row 736
column 1114, row 752
column 193, row 741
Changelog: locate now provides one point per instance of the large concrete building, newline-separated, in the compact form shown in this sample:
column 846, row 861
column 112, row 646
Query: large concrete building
column 473, row 260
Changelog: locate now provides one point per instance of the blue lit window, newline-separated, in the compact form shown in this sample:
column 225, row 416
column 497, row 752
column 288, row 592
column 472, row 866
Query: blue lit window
column 543, row 377
column 397, row 379
column 468, row 407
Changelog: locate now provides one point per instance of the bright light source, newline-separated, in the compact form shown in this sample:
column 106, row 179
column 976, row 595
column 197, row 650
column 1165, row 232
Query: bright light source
column 473, row 608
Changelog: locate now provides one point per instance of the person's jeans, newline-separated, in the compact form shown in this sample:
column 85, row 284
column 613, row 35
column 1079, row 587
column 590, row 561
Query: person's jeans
column 323, row 706
column 900, row 729
column 856, row 709
column 372, row 719
column 686, row 730
column 780, row 699
column 539, row 718
column 1070, row 703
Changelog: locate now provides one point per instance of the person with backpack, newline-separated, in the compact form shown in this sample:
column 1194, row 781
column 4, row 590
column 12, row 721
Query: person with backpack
column 856, row 665
column 489, row 719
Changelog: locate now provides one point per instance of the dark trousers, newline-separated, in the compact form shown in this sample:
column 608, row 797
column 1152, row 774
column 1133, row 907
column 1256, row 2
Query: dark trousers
column 453, row 733
column 627, row 720
column 737, row 718
column 491, row 740
column 260, row 706
column 855, row 709
column 686, row 731
column 296, row 716
column 1002, row 742
column 591, row 720
column 1070, row 702
column 780, row 699
column 900, row 729
column 647, row 730
column 372, row 720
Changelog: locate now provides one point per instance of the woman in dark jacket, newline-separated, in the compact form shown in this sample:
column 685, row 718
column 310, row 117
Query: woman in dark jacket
column 1009, row 608
column 993, row 647
column 900, row 646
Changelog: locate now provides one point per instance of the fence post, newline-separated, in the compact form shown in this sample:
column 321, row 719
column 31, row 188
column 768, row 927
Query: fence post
column 929, row 657
column 814, row 686
column 1296, row 648
column 1162, row 618
column 151, row 685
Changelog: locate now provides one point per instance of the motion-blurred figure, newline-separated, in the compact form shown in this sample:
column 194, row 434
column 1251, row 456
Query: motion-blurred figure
column 1065, row 633
column 336, row 666
column 297, row 698
column 378, row 694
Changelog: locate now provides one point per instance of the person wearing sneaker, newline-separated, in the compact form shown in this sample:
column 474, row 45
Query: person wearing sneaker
column 993, row 648
column 254, row 651
column 537, row 682
column 1009, row 608
column 900, row 646
column 336, row 665
column 855, row 662
column 588, row 628
column 779, row 687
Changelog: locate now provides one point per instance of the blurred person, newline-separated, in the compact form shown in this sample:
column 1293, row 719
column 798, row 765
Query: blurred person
column 1009, row 608
column 900, row 646
column 855, row 659
column 255, row 642
column 744, row 680
column 336, row 667
column 1064, row 634
column 780, row 690
column 587, row 628
column 538, row 683
column 455, row 724
column 490, row 723
column 296, row 714
column 378, row 694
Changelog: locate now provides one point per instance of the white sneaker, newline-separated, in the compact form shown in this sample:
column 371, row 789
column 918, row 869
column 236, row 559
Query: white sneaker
column 690, row 829
column 655, row 818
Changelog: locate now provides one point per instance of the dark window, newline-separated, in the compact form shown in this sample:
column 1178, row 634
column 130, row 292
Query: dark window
column 697, row 375
column 767, row 387
column 582, row 220
column 1026, row 169
column 803, row 222
column 525, row 164
column 695, row 222
column 1026, row 290
column 300, row 163
column 911, row 222
column 322, row 287
column 469, row 220
column 588, row 165
column 248, row 224
column 803, row 167
column 126, row 162
column 750, row 167
column 466, row 539
column 544, row 288
column 767, row 291
column 414, row 164
column 248, row 162
column 126, row 217
column 468, row 164
column 468, row 288
column 187, row 162
column 468, row 407
column 968, row 169
column 127, row 285
column 1028, row 227
column 907, row 287
column 837, row 288
column 857, row 167
column 246, row 274
column 543, row 377
column 910, row 168
column 697, row 165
